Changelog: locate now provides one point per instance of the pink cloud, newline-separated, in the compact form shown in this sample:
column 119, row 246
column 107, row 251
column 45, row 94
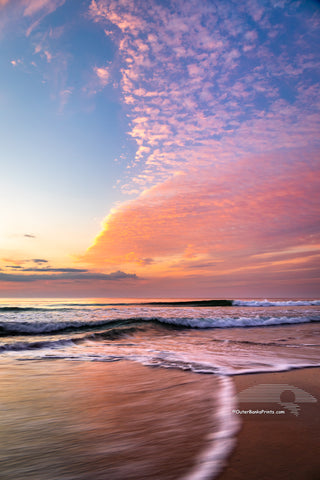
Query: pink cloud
column 34, row 6
column 176, row 74
column 256, row 215
column 103, row 73
column 204, row 96
column 30, row 8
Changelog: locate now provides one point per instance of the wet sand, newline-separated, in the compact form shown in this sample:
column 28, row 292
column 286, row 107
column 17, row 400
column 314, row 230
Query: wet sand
column 278, row 447
column 64, row 420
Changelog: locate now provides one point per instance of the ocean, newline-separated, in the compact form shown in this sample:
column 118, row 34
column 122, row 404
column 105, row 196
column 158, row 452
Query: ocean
column 50, row 347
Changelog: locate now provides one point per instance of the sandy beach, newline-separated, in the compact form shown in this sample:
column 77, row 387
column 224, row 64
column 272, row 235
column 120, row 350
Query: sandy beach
column 281, row 447
column 78, row 420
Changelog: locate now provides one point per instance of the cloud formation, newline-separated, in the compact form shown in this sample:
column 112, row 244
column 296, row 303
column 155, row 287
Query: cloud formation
column 70, row 274
column 220, row 218
column 29, row 8
column 103, row 74
column 208, row 82
column 223, row 102
column 38, row 269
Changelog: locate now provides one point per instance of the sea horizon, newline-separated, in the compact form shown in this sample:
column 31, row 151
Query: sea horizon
column 160, row 242
column 203, row 352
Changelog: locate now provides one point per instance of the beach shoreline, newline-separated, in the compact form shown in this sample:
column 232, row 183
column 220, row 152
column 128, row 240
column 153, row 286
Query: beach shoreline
column 117, row 420
column 281, row 447
column 132, row 421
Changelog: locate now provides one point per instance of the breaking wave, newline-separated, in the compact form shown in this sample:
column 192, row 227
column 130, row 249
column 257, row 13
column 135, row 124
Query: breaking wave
column 275, row 303
column 36, row 328
column 42, row 327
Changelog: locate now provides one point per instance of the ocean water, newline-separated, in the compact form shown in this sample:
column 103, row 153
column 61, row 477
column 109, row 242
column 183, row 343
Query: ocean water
column 219, row 339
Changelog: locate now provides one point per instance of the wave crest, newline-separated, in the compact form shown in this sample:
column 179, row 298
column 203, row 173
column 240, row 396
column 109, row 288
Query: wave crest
column 41, row 328
column 275, row 303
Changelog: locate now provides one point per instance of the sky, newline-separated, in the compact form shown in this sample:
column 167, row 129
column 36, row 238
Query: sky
column 159, row 148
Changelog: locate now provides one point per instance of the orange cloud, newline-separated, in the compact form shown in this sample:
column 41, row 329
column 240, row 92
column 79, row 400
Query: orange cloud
column 217, row 219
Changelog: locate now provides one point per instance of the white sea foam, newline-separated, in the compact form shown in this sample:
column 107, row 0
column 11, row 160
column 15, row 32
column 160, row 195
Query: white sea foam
column 206, row 343
column 35, row 327
column 275, row 303
column 220, row 442
column 22, row 346
column 229, row 322
column 143, row 335
column 247, row 361
column 199, row 322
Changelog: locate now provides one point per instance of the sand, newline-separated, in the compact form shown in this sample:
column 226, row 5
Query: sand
column 64, row 420
column 278, row 447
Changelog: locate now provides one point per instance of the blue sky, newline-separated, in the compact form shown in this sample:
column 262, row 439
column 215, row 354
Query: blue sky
column 126, row 123
column 58, row 148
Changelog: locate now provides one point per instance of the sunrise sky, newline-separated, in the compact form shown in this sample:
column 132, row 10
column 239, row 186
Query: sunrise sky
column 159, row 148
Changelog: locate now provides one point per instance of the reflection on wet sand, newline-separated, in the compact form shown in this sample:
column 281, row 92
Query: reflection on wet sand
column 65, row 420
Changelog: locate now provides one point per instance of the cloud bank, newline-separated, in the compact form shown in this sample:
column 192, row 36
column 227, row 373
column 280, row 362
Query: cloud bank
column 218, row 219
column 66, row 274
column 223, row 101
